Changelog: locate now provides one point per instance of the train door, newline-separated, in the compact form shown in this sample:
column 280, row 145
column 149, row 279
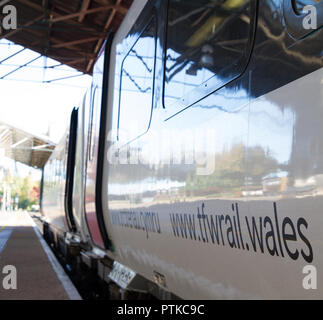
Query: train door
column 192, row 157
column 70, row 168
column 95, row 141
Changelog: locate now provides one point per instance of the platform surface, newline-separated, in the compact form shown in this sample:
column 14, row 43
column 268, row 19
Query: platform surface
column 39, row 276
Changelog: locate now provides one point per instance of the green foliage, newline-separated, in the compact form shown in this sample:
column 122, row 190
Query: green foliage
column 25, row 188
column 26, row 193
column 24, row 203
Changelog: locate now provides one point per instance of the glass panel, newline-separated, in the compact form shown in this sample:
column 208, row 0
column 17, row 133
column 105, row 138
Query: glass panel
column 92, row 121
column 300, row 4
column 137, row 86
column 206, row 40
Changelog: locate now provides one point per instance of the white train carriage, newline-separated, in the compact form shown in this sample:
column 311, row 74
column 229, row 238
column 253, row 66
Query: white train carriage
column 194, row 165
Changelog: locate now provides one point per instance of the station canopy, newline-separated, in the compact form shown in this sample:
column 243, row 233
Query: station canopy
column 68, row 32
column 71, row 32
column 24, row 147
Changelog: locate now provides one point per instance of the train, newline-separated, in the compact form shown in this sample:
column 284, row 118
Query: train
column 193, row 166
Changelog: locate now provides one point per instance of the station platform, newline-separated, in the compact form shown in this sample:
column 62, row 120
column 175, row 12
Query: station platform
column 24, row 252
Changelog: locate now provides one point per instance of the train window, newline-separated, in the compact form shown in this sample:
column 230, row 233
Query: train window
column 303, row 17
column 208, row 45
column 136, row 85
column 92, row 123
column 299, row 5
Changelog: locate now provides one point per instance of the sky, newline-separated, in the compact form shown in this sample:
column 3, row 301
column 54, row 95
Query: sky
column 28, row 103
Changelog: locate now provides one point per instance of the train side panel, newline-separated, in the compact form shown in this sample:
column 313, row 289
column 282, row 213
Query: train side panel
column 216, row 195
column 93, row 113
column 54, row 178
column 213, row 158
column 80, row 170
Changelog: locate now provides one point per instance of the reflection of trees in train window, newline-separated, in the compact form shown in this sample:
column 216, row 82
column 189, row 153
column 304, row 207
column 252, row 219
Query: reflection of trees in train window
column 136, row 87
column 205, row 39
column 300, row 4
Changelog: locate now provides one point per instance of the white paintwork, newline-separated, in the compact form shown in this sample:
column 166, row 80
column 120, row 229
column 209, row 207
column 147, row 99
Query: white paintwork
column 285, row 122
column 197, row 270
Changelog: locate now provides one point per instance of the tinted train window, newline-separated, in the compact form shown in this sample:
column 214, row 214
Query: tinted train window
column 300, row 4
column 303, row 17
column 207, row 46
column 92, row 123
column 136, row 87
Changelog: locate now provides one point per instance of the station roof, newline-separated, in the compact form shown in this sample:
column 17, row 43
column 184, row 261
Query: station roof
column 71, row 32
column 24, row 147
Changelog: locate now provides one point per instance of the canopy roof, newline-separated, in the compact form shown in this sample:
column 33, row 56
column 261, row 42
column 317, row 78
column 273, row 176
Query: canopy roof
column 24, row 147
column 70, row 32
